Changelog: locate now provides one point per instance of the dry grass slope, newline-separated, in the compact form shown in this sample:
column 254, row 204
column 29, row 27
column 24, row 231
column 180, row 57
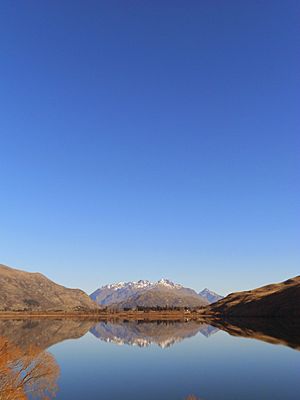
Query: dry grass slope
column 24, row 291
column 275, row 300
column 163, row 298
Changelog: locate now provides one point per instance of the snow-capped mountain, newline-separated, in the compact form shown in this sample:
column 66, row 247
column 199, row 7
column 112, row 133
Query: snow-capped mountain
column 210, row 296
column 142, row 284
column 121, row 291
column 136, row 285
column 147, row 294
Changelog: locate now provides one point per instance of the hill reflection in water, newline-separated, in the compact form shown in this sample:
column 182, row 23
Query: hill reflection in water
column 46, row 332
column 284, row 331
column 28, row 370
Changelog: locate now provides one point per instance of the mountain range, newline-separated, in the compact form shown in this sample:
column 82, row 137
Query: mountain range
column 32, row 292
column 163, row 293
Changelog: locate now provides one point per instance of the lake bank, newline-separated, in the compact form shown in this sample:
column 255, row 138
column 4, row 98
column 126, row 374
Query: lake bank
column 130, row 315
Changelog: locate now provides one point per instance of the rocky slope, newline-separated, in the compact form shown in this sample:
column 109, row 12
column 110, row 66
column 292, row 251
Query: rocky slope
column 163, row 298
column 163, row 293
column 24, row 291
column 275, row 300
column 120, row 291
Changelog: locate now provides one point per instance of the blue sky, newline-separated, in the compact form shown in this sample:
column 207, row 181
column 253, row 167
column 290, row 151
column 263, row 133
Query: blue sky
column 144, row 139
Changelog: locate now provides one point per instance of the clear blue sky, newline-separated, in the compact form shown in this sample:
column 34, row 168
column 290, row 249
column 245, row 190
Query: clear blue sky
column 149, row 139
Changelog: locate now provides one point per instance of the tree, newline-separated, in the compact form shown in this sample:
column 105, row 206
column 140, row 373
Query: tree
column 23, row 372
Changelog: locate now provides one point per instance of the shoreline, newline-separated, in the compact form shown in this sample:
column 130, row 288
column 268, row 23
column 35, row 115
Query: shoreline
column 138, row 316
column 126, row 315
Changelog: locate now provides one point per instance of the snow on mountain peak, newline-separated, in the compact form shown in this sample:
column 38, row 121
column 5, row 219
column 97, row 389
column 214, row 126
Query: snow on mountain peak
column 132, row 285
column 168, row 283
column 141, row 284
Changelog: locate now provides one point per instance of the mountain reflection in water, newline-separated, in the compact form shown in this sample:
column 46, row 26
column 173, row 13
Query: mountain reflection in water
column 144, row 333
column 28, row 371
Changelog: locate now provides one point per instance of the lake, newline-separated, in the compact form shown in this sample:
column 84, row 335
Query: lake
column 81, row 359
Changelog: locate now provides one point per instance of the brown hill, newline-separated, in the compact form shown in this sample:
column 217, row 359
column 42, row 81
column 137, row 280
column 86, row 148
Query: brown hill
column 163, row 297
column 275, row 300
column 25, row 291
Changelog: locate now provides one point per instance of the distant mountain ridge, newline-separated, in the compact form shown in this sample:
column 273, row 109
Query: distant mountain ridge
column 211, row 296
column 120, row 291
column 143, row 293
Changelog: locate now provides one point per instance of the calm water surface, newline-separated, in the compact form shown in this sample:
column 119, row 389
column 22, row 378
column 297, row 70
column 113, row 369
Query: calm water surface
column 144, row 360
